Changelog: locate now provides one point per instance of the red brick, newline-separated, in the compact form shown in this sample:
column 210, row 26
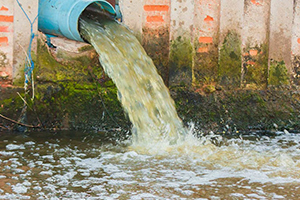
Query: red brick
column 250, row 62
column 253, row 52
column 205, row 39
column 208, row 18
column 156, row 18
column 202, row 50
column 3, row 41
column 156, row 8
column 255, row 3
column 5, row 18
column 4, row 29
column 3, row 8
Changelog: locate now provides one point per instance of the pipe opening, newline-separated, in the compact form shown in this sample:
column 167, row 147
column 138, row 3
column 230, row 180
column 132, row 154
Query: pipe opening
column 95, row 12
column 61, row 17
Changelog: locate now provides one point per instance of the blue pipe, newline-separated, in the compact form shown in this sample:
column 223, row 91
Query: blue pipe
column 60, row 17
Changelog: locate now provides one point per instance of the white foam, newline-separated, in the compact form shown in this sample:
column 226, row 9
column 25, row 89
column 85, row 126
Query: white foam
column 144, row 196
column 49, row 173
column 29, row 143
column 12, row 147
column 19, row 188
column 4, row 153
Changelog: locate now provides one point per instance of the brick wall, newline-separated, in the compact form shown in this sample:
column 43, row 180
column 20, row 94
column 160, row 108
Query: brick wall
column 262, row 31
column 229, row 41
column 15, row 34
column 6, row 39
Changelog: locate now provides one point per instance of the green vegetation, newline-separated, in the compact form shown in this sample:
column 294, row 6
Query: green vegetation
column 240, row 111
column 181, row 61
column 278, row 74
column 72, row 93
column 230, row 62
column 206, row 63
column 255, row 68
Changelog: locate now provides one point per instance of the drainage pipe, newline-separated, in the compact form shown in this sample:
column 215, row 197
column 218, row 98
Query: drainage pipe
column 60, row 17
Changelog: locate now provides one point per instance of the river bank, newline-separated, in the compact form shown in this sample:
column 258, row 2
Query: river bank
column 95, row 106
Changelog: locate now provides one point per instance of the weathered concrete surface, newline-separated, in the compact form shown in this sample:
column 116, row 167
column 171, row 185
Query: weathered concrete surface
column 181, row 47
column 231, row 22
column 65, row 44
column 181, row 18
column 296, row 43
column 73, row 93
column 231, row 13
column 156, row 13
column 15, row 35
column 296, row 29
column 156, row 34
column 256, row 22
column 133, row 15
column 22, row 33
column 281, row 23
column 255, row 31
column 206, row 40
column 6, row 39
column 255, row 42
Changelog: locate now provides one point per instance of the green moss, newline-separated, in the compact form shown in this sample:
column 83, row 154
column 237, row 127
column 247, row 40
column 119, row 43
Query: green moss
column 243, row 110
column 86, row 106
column 156, row 44
column 206, row 64
column 181, row 61
column 296, row 64
column 68, row 94
column 255, row 67
column 209, row 89
column 230, row 62
column 278, row 74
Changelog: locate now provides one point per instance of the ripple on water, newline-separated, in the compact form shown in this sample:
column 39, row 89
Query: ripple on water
column 264, row 168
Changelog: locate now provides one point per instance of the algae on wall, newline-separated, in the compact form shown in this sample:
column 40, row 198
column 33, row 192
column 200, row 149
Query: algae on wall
column 255, row 66
column 278, row 74
column 230, row 60
column 296, row 66
column 72, row 92
column 156, row 43
column 181, row 62
column 206, row 64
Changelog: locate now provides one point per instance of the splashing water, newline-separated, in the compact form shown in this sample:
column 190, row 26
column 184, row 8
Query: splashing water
column 142, row 92
column 158, row 131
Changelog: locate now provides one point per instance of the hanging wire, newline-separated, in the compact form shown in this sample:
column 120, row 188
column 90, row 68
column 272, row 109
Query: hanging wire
column 28, row 70
column 29, row 64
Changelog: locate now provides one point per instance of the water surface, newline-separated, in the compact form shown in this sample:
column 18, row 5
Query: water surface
column 76, row 165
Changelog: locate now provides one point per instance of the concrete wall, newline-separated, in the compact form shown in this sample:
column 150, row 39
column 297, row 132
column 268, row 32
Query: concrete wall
column 194, row 42
column 6, row 38
column 296, row 43
column 255, row 33
column 15, row 34
column 281, row 27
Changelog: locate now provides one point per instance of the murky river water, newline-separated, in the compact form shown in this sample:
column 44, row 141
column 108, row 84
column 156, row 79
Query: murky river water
column 74, row 165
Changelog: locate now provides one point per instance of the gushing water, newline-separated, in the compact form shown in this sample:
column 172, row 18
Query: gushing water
column 142, row 92
column 159, row 133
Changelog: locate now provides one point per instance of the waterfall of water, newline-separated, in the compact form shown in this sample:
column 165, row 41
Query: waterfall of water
column 142, row 92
